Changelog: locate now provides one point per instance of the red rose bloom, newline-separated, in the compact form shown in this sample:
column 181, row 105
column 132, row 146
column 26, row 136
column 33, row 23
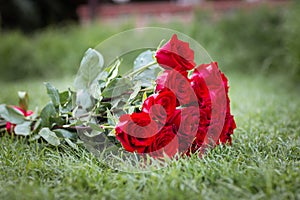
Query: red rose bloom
column 228, row 128
column 165, row 142
column 205, row 114
column 199, row 140
column 176, row 54
column 136, row 131
column 177, row 83
column 160, row 106
column 175, row 120
column 200, row 87
column 215, row 84
column 186, row 122
column 211, row 87
column 9, row 126
column 206, row 80
column 225, row 82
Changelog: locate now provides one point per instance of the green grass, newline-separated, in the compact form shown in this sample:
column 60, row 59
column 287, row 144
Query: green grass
column 262, row 163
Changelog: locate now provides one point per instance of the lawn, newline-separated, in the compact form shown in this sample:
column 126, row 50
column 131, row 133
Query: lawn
column 262, row 163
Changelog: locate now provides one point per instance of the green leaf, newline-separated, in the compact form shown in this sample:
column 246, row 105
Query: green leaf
column 149, row 74
column 10, row 114
column 66, row 101
column 62, row 133
column 117, row 87
column 90, row 66
column 34, row 115
column 93, row 133
column 53, row 94
column 59, row 121
column 95, row 127
column 114, row 70
column 84, row 99
column 49, row 136
column 103, row 79
column 23, row 129
column 119, row 101
column 64, row 97
column 37, row 125
column 111, row 119
column 136, row 89
column 71, row 144
column 95, row 90
column 47, row 113
column 102, row 84
column 23, row 100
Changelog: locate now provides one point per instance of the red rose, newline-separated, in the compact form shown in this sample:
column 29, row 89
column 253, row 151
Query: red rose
column 136, row 131
column 210, row 84
column 211, row 87
column 212, row 75
column 189, row 118
column 228, row 128
column 175, row 120
column 208, row 80
column 177, row 83
column 225, row 82
column 199, row 140
column 176, row 54
column 199, row 85
column 161, row 82
column 160, row 106
column 165, row 142
column 9, row 126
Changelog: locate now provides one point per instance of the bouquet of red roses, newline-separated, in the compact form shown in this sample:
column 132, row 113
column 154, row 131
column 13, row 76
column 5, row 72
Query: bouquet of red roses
column 166, row 106
column 189, row 109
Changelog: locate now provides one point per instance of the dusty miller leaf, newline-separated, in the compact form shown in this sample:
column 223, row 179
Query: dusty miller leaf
column 49, row 136
column 117, row 87
column 95, row 90
column 48, row 113
column 111, row 119
column 149, row 74
column 96, row 127
column 90, row 66
column 113, row 71
column 23, row 129
column 84, row 99
column 93, row 133
column 11, row 114
column 136, row 89
column 53, row 94
column 62, row 133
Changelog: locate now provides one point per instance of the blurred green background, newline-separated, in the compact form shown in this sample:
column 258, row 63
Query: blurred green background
column 261, row 41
